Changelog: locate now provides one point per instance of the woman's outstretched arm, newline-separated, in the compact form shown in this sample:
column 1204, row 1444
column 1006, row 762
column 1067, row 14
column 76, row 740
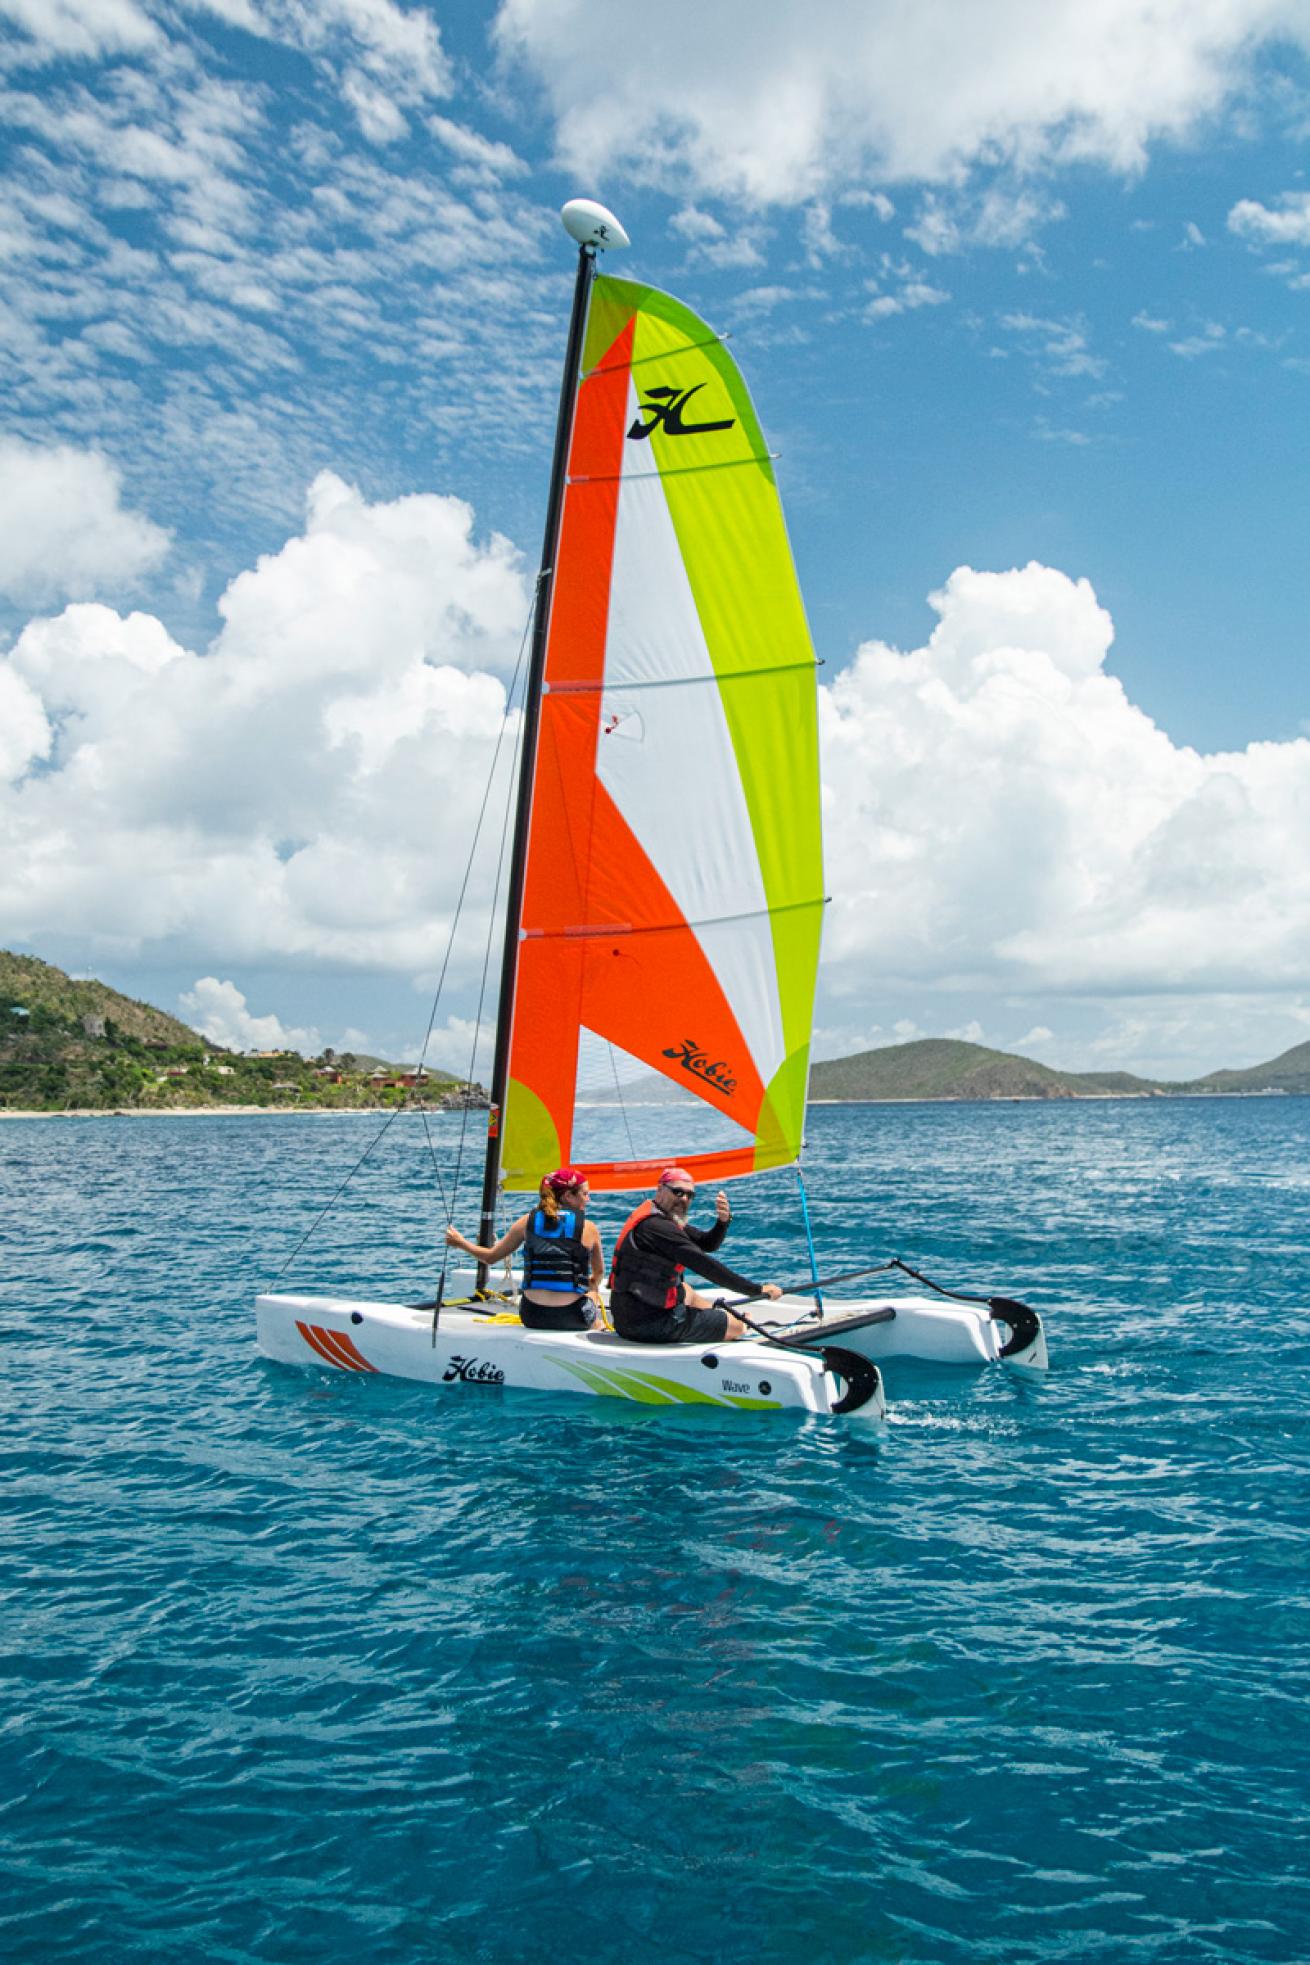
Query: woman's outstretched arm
column 509, row 1241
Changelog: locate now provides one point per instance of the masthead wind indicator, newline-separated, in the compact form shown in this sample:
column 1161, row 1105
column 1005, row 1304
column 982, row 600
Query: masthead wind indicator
column 591, row 225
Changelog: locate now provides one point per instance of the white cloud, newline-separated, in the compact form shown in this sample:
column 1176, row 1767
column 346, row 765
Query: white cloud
column 1288, row 224
column 1060, row 346
column 1003, row 215
column 218, row 1010
column 1002, row 822
column 777, row 104
column 998, row 814
column 378, row 115
column 451, row 1048
column 80, row 28
column 25, row 732
column 913, row 294
column 1207, row 342
column 63, row 528
column 480, row 153
column 306, row 787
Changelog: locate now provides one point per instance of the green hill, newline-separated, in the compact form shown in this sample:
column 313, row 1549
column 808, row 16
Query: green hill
column 53, row 1000
column 949, row 1068
column 81, row 1045
column 1290, row 1072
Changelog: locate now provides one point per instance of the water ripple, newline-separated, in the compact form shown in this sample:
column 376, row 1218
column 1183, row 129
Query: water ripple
column 297, row 1666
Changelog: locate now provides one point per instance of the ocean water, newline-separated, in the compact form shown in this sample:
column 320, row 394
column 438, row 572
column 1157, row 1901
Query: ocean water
column 301, row 1665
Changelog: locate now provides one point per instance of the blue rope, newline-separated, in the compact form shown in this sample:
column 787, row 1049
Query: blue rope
column 809, row 1233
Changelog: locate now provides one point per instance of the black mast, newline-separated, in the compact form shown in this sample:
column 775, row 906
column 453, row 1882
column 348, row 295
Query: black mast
column 528, row 753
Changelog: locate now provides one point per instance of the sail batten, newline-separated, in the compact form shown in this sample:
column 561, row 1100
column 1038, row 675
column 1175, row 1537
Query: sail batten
column 668, row 927
column 683, row 470
column 690, row 348
column 596, row 684
column 674, row 889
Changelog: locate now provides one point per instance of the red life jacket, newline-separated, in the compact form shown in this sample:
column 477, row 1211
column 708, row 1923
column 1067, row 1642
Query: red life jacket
column 653, row 1278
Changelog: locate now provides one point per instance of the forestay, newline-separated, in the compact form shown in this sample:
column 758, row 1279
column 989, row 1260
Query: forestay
column 674, row 884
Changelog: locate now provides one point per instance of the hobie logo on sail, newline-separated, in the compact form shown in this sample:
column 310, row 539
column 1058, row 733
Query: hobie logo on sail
column 664, row 406
column 693, row 1058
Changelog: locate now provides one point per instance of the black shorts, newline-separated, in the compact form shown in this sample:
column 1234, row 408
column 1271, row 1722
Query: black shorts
column 579, row 1313
column 640, row 1324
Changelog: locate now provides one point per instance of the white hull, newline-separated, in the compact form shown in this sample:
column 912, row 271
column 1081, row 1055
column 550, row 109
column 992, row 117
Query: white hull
column 927, row 1327
column 471, row 1350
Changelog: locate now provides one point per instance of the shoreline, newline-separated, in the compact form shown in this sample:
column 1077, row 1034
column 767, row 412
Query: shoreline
column 434, row 1112
column 215, row 1111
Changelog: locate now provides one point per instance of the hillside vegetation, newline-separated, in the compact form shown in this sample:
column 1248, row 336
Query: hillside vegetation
column 83, row 1046
column 949, row 1068
column 946, row 1067
column 1289, row 1072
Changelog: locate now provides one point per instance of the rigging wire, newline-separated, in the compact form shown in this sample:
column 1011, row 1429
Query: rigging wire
column 809, row 1237
column 459, row 906
column 486, row 968
column 505, row 828
column 392, row 1117
column 326, row 1211
column 614, row 1067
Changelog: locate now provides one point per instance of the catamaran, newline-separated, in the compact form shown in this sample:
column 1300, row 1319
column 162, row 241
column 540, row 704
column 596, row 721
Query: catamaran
column 665, row 894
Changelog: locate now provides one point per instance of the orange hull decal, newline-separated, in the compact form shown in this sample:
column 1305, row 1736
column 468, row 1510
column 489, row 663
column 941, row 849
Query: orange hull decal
column 334, row 1346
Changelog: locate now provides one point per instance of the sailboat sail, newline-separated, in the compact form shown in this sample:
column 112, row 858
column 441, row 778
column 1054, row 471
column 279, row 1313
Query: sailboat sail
column 673, row 889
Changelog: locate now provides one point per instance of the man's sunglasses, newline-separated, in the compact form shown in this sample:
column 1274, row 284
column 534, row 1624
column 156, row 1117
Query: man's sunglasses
column 683, row 1193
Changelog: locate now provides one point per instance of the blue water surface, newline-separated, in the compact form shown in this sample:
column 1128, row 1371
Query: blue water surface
column 304, row 1665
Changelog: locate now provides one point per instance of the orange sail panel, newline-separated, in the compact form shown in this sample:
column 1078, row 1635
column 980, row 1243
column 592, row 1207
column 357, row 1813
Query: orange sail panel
column 673, row 889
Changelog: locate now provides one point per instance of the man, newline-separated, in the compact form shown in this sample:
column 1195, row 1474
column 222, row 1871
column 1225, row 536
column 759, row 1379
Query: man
column 649, row 1301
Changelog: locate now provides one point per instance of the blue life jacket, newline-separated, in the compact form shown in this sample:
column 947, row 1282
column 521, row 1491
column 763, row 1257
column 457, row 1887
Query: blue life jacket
column 555, row 1257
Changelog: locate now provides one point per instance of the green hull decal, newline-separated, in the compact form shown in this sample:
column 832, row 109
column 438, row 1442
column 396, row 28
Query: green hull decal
column 611, row 1384
column 649, row 1388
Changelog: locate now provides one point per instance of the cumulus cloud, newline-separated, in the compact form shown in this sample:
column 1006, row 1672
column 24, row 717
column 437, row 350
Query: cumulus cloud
column 306, row 787
column 1286, row 224
column 79, row 28
column 25, row 732
column 64, row 530
column 775, row 104
column 219, row 1011
column 1005, row 829
column 999, row 815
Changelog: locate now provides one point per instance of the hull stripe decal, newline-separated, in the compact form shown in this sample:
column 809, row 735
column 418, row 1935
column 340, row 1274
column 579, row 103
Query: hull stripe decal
column 312, row 1340
column 341, row 1340
column 316, row 1340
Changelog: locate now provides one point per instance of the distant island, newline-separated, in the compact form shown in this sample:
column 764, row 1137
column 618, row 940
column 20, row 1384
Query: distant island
column 948, row 1068
column 81, row 1046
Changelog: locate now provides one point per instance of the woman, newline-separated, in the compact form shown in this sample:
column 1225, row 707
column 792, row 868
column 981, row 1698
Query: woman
column 562, row 1261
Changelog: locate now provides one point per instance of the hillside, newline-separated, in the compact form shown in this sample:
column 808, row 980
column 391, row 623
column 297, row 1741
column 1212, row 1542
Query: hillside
column 54, row 998
column 82, row 1045
column 949, row 1068
column 1290, row 1072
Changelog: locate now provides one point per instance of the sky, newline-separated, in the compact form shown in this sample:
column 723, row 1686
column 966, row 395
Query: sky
column 1023, row 296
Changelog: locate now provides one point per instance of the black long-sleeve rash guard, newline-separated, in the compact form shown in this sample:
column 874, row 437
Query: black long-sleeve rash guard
column 658, row 1235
